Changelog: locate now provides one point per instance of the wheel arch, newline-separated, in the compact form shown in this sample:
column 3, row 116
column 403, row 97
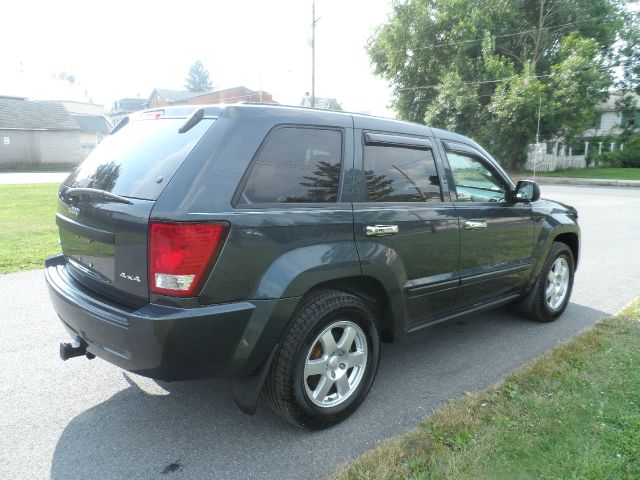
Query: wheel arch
column 373, row 292
column 572, row 240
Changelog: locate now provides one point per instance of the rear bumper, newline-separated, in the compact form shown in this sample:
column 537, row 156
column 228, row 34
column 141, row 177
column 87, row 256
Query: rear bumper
column 169, row 343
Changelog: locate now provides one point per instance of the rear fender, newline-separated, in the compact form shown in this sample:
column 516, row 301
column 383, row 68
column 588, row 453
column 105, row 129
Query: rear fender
column 383, row 263
column 297, row 271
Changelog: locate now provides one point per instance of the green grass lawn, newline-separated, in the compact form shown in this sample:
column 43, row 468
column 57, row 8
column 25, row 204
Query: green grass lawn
column 28, row 230
column 606, row 173
column 573, row 413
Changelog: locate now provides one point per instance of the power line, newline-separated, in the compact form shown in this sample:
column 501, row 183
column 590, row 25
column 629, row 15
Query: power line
column 510, row 34
column 506, row 79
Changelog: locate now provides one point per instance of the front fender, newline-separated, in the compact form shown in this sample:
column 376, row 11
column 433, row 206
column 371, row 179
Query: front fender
column 548, row 228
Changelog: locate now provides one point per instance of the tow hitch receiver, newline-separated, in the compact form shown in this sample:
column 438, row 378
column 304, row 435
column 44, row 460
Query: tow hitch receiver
column 74, row 349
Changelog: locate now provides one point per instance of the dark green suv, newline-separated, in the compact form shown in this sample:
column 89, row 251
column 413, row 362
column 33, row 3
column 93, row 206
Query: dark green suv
column 279, row 246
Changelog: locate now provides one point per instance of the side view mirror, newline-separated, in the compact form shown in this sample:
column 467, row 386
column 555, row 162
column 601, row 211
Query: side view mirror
column 526, row 191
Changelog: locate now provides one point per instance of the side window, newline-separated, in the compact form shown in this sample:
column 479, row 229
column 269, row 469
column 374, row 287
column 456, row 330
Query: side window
column 398, row 174
column 473, row 181
column 296, row 164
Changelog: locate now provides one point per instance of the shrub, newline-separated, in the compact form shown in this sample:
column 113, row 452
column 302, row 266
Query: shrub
column 629, row 157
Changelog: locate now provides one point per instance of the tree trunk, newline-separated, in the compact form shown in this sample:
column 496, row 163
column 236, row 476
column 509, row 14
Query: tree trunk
column 512, row 161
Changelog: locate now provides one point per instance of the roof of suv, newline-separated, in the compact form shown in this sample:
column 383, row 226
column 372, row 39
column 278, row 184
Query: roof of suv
column 368, row 122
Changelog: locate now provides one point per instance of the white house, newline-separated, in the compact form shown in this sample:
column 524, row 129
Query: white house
column 611, row 121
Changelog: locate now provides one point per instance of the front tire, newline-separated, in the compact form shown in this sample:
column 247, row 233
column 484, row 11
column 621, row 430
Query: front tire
column 327, row 361
column 552, row 290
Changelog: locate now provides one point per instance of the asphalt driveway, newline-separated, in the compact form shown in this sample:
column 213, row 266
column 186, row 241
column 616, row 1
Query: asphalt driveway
column 88, row 419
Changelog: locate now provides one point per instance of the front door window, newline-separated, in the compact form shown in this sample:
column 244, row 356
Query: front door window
column 473, row 181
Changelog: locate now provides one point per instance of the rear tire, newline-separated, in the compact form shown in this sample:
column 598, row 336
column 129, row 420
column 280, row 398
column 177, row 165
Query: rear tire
column 327, row 361
column 552, row 290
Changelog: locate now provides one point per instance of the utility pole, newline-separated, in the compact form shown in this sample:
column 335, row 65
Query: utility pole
column 314, row 20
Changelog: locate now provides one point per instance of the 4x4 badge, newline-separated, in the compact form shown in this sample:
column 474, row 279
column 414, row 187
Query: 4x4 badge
column 129, row 277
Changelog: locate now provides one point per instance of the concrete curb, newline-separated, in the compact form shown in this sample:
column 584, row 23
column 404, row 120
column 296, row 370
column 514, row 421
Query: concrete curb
column 598, row 182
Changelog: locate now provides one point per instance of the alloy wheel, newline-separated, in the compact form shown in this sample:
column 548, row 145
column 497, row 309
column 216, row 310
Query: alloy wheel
column 335, row 364
column 557, row 283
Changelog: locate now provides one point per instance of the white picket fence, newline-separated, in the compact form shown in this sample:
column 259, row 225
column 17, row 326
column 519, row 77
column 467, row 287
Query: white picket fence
column 548, row 162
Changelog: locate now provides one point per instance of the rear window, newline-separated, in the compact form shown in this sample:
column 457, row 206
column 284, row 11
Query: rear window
column 296, row 165
column 138, row 160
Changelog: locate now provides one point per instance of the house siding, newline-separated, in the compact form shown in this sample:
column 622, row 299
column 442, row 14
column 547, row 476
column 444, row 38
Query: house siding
column 609, row 125
column 611, row 118
column 37, row 147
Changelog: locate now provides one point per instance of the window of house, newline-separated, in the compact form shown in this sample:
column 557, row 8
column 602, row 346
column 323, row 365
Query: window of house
column 398, row 174
column 597, row 122
column 473, row 181
column 296, row 165
column 630, row 119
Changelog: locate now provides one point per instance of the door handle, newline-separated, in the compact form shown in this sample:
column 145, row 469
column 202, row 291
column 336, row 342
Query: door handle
column 475, row 224
column 381, row 230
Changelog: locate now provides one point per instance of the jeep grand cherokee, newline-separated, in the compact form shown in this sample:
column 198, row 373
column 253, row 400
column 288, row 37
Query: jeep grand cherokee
column 279, row 246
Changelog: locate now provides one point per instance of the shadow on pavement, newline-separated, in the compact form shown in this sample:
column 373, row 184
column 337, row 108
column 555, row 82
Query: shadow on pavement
column 193, row 429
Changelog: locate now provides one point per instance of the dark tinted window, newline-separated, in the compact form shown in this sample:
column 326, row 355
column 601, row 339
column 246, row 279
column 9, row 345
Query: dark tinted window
column 131, row 161
column 396, row 174
column 296, row 165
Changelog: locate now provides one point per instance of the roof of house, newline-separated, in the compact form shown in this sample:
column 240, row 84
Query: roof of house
column 174, row 95
column 92, row 124
column 19, row 114
column 609, row 105
column 130, row 104
column 321, row 102
column 238, row 93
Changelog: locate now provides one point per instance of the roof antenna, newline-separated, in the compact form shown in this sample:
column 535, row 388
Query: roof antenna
column 538, row 152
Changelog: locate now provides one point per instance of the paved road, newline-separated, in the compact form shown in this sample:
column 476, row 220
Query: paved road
column 32, row 177
column 84, row 419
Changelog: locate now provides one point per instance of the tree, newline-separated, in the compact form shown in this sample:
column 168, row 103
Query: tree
column 63, row 75
column 198, row 78
column 484, row 69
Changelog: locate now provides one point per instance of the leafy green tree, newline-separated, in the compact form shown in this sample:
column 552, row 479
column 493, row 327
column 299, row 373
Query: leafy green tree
column 484, row 68
column 198, row 78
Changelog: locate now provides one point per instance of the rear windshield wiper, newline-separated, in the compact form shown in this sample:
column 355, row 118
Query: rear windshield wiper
column 95, row 193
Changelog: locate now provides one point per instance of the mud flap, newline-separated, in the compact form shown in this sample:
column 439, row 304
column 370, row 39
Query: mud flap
column 246, row 390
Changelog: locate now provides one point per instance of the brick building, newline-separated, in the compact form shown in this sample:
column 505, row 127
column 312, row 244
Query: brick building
column 161, row 97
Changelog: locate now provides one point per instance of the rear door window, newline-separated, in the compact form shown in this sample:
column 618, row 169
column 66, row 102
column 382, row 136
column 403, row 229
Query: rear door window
column 399, row 174
column 139, row 160
column 296, row 165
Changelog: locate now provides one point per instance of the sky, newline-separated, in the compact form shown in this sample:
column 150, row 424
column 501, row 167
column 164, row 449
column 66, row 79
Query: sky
column 122, row 48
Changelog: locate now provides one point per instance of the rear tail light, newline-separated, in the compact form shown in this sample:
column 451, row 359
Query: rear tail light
column 182, row 254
